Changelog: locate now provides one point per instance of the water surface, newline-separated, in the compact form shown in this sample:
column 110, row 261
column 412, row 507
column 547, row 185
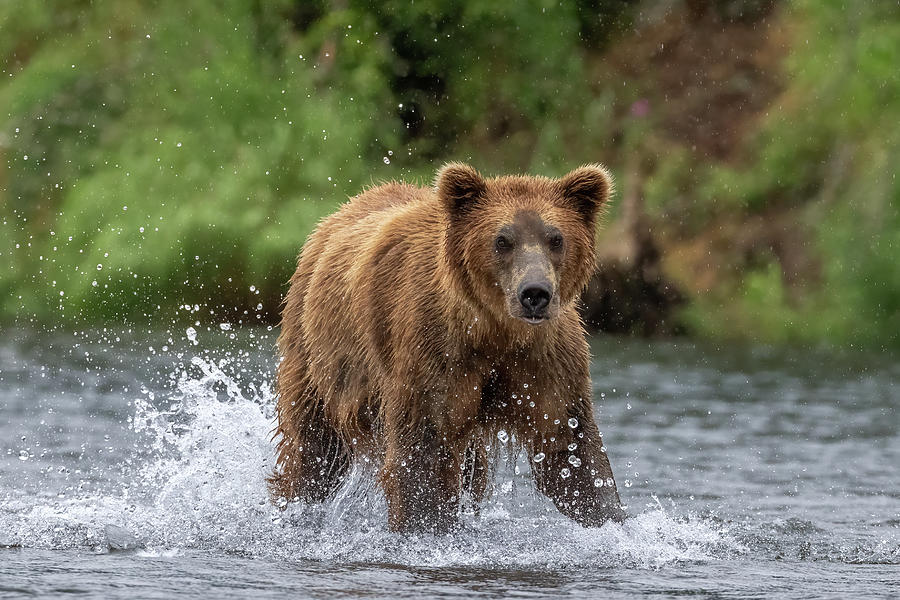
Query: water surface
column 132, row 463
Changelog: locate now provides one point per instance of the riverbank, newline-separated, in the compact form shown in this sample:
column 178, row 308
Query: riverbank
column 156, row 159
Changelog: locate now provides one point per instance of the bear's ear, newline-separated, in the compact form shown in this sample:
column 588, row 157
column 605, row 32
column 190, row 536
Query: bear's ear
column 587, row 189
column 459, row 187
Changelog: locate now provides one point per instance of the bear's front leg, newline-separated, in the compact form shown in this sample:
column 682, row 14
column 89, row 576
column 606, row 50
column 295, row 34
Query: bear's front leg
column 421, row 480
column 571, row 467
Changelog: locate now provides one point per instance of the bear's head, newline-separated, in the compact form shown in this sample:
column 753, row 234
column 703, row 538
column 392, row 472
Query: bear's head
column 522, row 247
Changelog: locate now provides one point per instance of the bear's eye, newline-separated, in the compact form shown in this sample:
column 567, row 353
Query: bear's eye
column 555, row 241
column 502, row 243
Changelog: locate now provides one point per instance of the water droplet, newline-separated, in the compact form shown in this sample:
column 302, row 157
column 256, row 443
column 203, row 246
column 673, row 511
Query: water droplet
column 598, row 482
column 225, row 326
column 628, row 406
column 23, row 454
column 627, row 483
column 573, row 422
column 502, row 436
column 99, row 267
column 565, row 473
column 574, row 461
column 386, row 160
column 610, row 482
column 191, row 335
column 572, row 446
column 538, row 457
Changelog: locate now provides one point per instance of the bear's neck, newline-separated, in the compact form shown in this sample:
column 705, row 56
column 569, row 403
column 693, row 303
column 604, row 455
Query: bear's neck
column 486, row 333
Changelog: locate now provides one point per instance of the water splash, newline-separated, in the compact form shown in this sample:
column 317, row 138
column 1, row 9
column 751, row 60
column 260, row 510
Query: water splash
column 206, row 448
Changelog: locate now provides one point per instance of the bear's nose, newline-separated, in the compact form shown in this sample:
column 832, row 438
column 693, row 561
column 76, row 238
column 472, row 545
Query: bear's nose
column 534, row 298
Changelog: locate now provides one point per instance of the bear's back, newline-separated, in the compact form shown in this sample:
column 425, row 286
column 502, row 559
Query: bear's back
column 375, row 201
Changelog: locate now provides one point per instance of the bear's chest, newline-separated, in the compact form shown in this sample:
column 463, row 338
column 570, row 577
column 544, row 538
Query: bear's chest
column 509, row 392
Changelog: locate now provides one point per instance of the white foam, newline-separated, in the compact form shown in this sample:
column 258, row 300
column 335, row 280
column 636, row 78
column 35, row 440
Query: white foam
column 203, row 488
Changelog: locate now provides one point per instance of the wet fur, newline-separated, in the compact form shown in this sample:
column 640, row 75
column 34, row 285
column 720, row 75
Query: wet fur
column 398, row 344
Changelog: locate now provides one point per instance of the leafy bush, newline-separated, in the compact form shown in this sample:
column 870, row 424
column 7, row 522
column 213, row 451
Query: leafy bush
column 163, row 154
column 830, row 147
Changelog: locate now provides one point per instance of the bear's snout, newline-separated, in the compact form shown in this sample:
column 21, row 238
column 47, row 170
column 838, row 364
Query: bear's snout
column 535, row 298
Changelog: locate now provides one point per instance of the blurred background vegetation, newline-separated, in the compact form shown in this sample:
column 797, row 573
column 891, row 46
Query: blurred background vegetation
column 161, row 154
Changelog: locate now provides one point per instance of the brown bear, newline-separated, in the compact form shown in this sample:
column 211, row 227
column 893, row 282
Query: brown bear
column 422, row 324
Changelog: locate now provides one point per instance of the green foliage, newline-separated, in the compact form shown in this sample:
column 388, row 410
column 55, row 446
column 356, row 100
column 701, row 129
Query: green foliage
column 162, row 154
column 833, row 145
column 168, row 153
column 181, row 154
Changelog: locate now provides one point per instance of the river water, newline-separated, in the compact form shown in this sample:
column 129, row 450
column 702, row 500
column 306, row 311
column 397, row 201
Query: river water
column 132, row 465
